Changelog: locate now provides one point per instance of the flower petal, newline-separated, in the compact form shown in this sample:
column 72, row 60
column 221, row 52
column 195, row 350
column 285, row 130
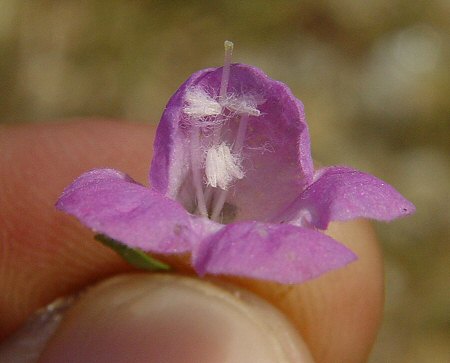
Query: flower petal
column 170, row 163
column 341, row 193
column 113, row 204
column 282, row 253
column 276, row 155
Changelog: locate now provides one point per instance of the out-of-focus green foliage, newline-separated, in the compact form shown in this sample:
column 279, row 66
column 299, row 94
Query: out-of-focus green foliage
column 373, row 76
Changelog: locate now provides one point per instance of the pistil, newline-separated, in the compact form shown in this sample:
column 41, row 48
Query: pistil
column 226, row 70
column 223, row 162
column 224, row 85
column 222, row 97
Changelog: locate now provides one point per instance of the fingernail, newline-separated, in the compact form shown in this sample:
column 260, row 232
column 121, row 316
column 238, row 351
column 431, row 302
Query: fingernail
column 173, row 319
column 27, row 343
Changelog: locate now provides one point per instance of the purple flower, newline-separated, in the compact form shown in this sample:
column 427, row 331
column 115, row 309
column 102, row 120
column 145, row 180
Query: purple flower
column 232, row 182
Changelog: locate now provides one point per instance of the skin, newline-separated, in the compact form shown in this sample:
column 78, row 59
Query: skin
column 45, row 254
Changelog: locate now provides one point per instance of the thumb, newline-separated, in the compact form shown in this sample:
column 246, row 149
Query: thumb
column 171, row 319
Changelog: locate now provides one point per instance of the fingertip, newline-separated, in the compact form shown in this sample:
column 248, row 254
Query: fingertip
column 45, row 253
column 173, row 319
column 339, row 313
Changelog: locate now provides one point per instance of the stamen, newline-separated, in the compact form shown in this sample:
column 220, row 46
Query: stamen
column 221, row 196
column 222, row 167
column 200, row 104
column 245, row 104
column 196, row 169
column 237, row 148
column 222, row 97
column 242, row 131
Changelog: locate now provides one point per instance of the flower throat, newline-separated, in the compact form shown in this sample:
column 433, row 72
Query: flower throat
column 217, row 164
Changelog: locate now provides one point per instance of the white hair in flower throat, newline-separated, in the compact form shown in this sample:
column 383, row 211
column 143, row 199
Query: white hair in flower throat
column 221, row 161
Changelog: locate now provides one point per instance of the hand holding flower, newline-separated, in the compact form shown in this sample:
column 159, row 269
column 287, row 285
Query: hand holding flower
column 49, row 254
column 232, row 183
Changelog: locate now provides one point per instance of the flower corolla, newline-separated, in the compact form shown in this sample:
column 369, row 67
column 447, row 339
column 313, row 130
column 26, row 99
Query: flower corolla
column 232, row 183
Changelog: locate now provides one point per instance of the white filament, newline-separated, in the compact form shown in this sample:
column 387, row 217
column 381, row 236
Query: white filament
column 222, row 167
column 196, row 165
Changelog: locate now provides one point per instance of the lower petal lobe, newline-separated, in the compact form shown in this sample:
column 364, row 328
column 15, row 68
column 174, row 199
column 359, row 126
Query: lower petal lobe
column 111, row 203
column 277, row 252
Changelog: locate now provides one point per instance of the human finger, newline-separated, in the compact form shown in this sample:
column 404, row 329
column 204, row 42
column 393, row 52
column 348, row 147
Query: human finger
column 47, row 254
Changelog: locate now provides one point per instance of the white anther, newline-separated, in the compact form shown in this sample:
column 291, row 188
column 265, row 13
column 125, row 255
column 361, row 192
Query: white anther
column 244, row 104
column 222, row 167
column 200, row 104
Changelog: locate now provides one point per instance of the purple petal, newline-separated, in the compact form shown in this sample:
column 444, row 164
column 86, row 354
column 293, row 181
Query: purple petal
column 113, row 204
column 170, row 162
column 342, row 193
column 282, row 253
column 276, row 157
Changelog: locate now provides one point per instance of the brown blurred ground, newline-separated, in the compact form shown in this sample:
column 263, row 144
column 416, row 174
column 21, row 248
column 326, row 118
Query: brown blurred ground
column 373, row 76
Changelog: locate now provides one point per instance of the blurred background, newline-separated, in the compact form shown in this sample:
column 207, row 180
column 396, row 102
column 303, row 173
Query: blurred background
column 373, row 76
